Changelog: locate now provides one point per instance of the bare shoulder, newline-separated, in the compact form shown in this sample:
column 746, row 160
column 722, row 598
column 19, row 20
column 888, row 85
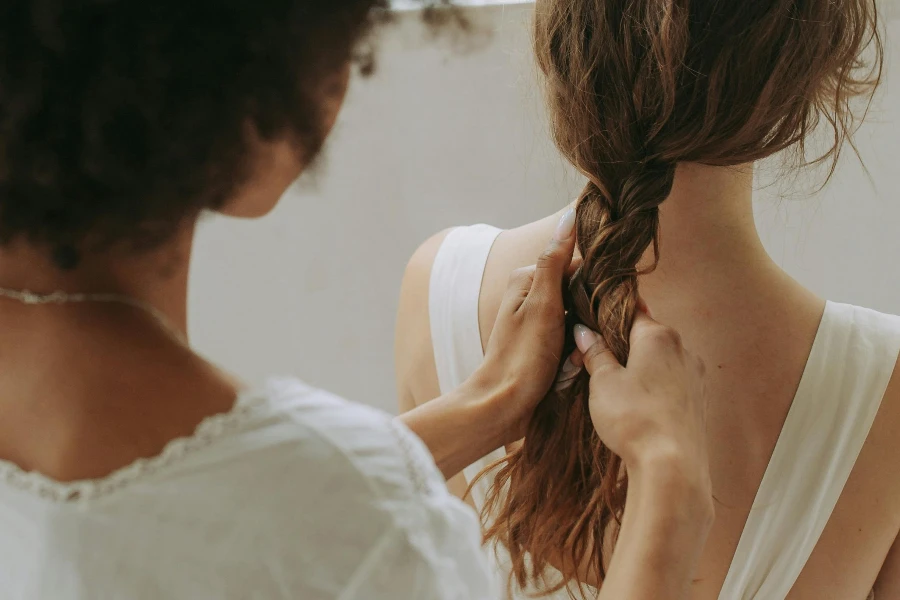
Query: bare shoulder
column 514, row 249
column 413, row 359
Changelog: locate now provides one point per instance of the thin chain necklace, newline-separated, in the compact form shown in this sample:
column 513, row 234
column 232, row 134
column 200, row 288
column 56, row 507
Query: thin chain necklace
column 60, row 297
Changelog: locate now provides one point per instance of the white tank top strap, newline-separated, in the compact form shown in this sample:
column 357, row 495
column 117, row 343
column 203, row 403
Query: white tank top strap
column 454, row 291
column 848, row 370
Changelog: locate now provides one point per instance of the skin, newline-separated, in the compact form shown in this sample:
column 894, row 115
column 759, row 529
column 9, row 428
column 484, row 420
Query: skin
column 753, row 326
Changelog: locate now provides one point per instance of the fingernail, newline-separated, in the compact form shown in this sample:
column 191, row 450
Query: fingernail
column 566, row 226
column 584, row 338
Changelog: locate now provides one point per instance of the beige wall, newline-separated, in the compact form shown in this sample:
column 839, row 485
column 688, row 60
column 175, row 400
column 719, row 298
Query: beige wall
column 439, row 138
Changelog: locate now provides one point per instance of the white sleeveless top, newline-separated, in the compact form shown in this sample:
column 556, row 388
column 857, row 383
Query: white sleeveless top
column 848, row 370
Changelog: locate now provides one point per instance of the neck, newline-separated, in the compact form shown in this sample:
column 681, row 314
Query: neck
column 158, row 278
column 707, row 233
column 708, row 217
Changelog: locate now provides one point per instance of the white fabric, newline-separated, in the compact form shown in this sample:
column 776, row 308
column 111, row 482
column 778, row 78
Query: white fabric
column 293, row 494
column 848, row 370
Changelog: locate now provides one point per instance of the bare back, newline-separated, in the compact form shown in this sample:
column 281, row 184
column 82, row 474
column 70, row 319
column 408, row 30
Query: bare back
column 755, row 331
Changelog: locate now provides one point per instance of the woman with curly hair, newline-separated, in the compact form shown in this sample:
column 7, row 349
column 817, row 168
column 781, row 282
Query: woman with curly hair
column 132, row 468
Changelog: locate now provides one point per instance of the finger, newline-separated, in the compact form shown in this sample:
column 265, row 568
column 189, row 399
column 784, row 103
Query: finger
column 577, row 358
column 553, row 263
column 520, row 283
column 569, row 372
column 596, row 354
column 576, row 263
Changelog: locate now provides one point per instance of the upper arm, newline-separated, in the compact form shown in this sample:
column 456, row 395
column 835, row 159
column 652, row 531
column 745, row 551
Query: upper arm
column 443, row 562
column 432, row 551
column 416, row 373
column 393, row 531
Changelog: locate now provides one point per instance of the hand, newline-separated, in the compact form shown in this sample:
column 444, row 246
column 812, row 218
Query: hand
column 523, row 354
column 653, row 410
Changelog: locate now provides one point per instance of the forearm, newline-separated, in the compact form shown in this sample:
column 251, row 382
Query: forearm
column 664, row 529
column 460, row 427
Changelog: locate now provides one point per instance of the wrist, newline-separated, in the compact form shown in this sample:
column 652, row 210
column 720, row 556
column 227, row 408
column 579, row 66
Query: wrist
column 459, row 427
column 678, row 483
column 493, row 401
column 661, row 538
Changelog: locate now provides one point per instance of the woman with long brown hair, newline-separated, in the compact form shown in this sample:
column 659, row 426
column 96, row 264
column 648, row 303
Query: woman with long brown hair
column 664, row 106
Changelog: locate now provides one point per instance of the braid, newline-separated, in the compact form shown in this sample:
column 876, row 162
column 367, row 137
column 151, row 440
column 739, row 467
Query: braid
column 613, row 238
column 587, row 485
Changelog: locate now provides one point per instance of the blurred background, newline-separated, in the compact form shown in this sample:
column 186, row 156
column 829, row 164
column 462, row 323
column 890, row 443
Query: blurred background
column 452, row 132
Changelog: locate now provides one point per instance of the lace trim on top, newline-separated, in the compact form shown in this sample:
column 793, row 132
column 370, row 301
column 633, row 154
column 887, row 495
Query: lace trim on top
column 413, row 460
column 207, row 431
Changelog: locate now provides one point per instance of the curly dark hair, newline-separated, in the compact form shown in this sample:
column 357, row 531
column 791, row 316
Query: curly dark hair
column 118, row 119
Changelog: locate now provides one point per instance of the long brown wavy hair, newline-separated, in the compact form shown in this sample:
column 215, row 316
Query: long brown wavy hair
column 634, row 88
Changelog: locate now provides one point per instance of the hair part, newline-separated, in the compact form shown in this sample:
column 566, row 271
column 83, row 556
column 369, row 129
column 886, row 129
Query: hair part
column 634, row 88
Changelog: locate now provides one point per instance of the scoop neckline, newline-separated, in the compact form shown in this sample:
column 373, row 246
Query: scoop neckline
column 210, row 429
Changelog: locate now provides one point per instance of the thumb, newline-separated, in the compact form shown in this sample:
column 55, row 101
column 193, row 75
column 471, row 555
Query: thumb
column 597, row 355
column 555, row 261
